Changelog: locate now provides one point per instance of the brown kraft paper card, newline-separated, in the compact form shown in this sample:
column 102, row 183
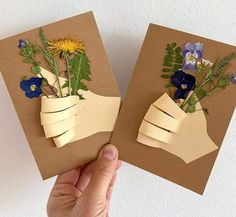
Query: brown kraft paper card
column 51, row 160
column 147, row 86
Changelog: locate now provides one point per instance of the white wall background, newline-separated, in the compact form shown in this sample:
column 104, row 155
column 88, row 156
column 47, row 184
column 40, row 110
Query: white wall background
column 123, row 25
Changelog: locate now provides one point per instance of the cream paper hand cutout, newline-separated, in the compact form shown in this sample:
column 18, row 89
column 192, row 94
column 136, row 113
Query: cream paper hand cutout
column 69, row 118
column 168, row 127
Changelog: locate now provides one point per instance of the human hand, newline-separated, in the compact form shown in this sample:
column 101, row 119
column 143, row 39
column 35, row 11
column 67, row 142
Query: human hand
column 168, row 127
column 87, row 190
column 68, row 119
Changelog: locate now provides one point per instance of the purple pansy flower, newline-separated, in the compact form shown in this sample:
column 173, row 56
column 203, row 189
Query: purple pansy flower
column 32, row 87
column 184, row 84
column 22, row 43
column 192, row 52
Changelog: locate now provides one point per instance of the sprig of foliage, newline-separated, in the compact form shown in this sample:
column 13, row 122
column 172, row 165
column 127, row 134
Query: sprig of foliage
column 29, row 52
column 79, row 69
column 211, row 79
column 173, row 60
column 49, row 57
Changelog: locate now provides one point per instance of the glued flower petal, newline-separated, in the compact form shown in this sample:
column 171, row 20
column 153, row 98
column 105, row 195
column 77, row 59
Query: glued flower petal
column 192, row 52
column 184, row 84
column 32, row 87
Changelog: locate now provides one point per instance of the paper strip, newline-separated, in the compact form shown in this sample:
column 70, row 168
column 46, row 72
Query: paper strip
column 161, row 119
column 68, row 119
column 182, row 134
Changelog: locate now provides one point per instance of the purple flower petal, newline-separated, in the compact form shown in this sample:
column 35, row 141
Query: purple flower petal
column 194, row 49
column 197, row 54
column 189, row 66
column 178, row 94
column 233, row 78
column 184, row 84
column 186, row 53
column 26, row 85
column 22, row 43
column 190, row 46
column 199, row 46
column 177, row 78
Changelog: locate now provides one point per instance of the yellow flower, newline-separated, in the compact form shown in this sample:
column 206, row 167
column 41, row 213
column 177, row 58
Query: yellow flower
column 66, row 46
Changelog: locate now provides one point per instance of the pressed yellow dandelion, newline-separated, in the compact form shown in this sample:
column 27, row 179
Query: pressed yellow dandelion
column 66, row 46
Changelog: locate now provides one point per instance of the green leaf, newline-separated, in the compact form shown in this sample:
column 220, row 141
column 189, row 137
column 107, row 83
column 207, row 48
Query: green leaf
column 178, row 49
column 165, row 76
column 223, row 82
column 166, row 70
column 167, row 64
column 168, row 59
column 170, row 53
column 192, row 100
column 169, row 47
column 43, row 38
column 79, row 68
column 176, row 67
column 173, row 59
column 191, row 108
column 179, row 59
column 210, row 94
column 35, row 69
column 201, row 92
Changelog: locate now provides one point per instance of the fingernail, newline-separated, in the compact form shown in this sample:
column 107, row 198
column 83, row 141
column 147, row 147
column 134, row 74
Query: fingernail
column 109, row 152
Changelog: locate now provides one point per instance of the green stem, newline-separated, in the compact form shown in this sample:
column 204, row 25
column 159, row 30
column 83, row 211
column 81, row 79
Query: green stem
column 46, row 80
column 68, row 74
column 43, row 89
column 185, row 102
column 206, row 94
column 52, row 65
column 78, row 75
column 57, row 76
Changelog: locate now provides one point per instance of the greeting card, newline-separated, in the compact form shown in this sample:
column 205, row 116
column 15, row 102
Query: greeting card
column 178, row 106
column 63, row 90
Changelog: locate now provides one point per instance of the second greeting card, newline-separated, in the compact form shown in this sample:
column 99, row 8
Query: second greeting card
column 178, row 106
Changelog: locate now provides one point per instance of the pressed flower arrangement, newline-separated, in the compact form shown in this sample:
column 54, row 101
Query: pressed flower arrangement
column 71, row 51
column 193, row 78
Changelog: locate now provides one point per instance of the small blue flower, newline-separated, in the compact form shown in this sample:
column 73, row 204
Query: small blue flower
column 233, row 78
column 22, row 43
column 192, row 52
column 32, row 87
column 184, row 84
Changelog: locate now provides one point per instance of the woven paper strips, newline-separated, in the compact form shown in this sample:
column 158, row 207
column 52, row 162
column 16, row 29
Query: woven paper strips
column 168, row 127
column 69, row 118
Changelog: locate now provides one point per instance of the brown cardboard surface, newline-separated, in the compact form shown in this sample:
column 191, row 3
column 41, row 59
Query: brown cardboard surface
column 147, row 86
column 52, row 160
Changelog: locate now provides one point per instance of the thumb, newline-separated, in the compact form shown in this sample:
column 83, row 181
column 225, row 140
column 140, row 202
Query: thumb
column 105, row 168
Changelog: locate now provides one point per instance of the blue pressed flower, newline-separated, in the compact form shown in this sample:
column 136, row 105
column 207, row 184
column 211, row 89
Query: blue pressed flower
column 22, row 43
column 233, row 78
column 192, row 52
column 184, row 84
column 32, row 87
